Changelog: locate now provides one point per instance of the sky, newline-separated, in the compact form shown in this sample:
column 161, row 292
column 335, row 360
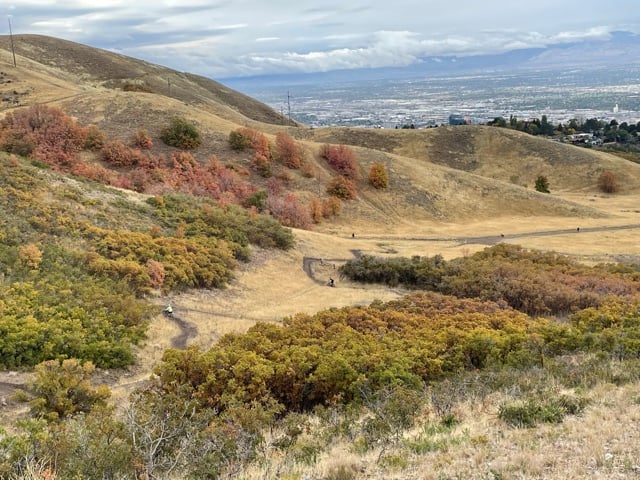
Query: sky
column 233, row 38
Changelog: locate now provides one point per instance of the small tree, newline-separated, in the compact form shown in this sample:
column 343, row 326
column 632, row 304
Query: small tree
column 287, row 151
column 342, row 159
column 181, row 134
column 118, row 154
column 30, row 256
column 607, row 182
column 331, row 207
column 142, row 139
column 62, row 388
column 378, row 176
column 238, row 141
column 542, row 184
column 343, row 188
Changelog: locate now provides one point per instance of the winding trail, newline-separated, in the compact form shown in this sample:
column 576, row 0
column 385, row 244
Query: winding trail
column 308, row 262
column 187, row 332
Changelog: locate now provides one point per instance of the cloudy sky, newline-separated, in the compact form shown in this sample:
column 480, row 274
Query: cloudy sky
column 226, row 38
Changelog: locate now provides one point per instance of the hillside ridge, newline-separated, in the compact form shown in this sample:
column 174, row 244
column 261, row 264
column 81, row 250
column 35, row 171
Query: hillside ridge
column 441, row 174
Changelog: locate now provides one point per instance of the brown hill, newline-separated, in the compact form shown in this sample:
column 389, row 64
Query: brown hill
column 453, row 174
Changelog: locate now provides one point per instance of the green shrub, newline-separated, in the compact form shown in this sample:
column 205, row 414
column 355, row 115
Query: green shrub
column 181, row 134
column 542, row 184
column 541, row 409
column 238, row 140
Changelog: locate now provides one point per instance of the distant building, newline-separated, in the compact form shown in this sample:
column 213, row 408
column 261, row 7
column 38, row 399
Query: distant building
column 615, row 108
column 459, row 120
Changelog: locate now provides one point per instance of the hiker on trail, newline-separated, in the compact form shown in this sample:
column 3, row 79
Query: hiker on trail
column 353, row 235
column 168, row 310
column 331, row 282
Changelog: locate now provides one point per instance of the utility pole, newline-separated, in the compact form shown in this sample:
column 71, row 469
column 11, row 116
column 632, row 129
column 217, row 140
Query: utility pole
column 13, row 51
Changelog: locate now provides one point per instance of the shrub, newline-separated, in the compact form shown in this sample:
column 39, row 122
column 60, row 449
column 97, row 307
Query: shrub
column 94, row 139
column 238, row 141
column 45, row 132
column 262, row 165
column 542, row 184
column 142, row 139
column 30, row 256
column 118, row 154
column 287, row 151
column 18, row 143
column 62, row 388
column 343, row 188
column 530, row 412
column 331, row 207
column 342, row 159
column 607, row 182
column 316, row 210
column 181, row 134
column 378, row 176
column 289, row 211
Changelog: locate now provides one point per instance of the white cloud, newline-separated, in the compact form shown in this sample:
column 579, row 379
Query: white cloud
column 237, row 37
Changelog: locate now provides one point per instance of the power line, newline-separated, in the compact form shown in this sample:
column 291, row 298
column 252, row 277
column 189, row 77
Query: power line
column 13, row 51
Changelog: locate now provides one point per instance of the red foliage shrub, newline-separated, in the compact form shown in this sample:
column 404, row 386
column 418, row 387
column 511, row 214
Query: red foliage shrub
column 274, row 186
column 342, row 159
column 118, row 154
column 93, row 172
column 142, row 139
column 289, row 211
column 262, row 165
column 50, row 135
column 156, row 272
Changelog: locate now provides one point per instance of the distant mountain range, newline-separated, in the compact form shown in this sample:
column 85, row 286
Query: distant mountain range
column 623, row 48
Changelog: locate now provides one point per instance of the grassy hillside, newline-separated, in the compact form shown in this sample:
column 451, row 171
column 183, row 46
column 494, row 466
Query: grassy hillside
column 445, row 349
column 442, row 174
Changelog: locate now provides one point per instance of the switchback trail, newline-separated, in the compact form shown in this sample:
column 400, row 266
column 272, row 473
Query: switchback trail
column 187, row 331
column 308, row 262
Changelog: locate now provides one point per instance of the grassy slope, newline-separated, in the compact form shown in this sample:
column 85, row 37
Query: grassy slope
column 443, row 174
column 444, row 182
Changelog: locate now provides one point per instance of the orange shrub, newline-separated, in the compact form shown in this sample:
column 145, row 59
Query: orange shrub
column 378, row 176
column 288, row 151
column 118, row 154
column 342, row 188
column 316, row 210
column 142, row 139
column 331, row 207
column 607, row 182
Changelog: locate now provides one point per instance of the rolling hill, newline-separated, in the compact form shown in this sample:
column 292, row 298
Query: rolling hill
column 68, row 247
column 443, row 174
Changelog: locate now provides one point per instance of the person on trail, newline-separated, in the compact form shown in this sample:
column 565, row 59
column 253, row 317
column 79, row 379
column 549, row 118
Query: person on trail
column 168, row 310
column 331, row 282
